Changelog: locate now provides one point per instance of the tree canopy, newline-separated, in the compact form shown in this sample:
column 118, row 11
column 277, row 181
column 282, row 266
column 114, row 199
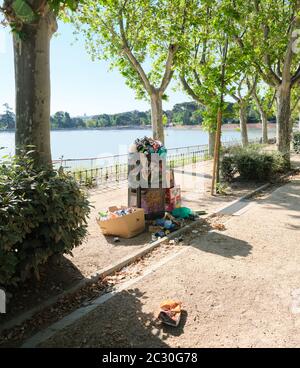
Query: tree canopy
column 143, row 39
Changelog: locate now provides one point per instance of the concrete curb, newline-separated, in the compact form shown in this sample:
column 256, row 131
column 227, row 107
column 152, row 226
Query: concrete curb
column 77, row 314
column 125, row 261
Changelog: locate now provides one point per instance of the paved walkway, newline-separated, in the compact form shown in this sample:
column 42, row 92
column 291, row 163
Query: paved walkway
column 239, row 288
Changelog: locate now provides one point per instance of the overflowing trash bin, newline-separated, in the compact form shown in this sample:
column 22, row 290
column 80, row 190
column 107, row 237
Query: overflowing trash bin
column 152, row 195
column 147, row 180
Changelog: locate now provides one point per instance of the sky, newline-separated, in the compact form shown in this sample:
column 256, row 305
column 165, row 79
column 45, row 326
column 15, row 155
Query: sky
column 78, row 85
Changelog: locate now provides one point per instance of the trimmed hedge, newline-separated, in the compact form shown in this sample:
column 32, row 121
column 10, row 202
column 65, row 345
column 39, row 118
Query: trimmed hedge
column 251, row 163
column 254, row 166
column 43, row 212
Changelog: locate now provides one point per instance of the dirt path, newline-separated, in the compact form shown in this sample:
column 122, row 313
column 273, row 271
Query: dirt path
column 239, row 287
column 99, row 251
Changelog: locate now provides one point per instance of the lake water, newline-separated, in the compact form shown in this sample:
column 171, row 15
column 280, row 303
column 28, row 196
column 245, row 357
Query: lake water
column 99, row 143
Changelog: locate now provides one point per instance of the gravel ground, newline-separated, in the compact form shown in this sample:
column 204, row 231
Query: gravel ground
column 239, row 288
column 99, row 251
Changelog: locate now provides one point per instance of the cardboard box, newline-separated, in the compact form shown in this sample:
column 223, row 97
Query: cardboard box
column 173, row 198
column 153, row 200
column 126, row 226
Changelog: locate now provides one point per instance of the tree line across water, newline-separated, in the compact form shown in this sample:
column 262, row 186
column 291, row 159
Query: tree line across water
column 186, row 113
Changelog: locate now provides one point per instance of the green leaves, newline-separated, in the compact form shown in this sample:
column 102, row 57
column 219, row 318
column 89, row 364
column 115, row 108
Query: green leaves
column 143, row 28
column 42, row 212
column 23, row 11
column 20, row 12
column 264, row 31
column 203, row 61
column 57, row 5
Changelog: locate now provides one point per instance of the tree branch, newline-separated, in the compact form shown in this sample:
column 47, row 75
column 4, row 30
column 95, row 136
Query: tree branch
column 190, row 91
column 196, row 75
column 251, row 89
column 132, row 59
column 233, row 95
column 169, row 68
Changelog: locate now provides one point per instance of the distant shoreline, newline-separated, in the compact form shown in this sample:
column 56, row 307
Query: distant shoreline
column 177, row 127
column 224, row 126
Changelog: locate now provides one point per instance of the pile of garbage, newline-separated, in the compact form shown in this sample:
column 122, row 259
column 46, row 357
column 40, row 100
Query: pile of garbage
column 164, row 226
column 109, row 215
column 148, row 146
column 172, row 222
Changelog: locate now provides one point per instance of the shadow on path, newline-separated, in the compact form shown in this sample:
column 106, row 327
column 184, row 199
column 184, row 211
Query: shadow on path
column 119, row 323
column 222, row 245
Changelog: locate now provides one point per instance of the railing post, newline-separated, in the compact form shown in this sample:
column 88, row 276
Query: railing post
column 117, row 173
column 106, row 175
column 101, row 175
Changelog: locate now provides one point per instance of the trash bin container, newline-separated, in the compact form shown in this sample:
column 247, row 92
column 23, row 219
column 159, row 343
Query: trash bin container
column 146, row 182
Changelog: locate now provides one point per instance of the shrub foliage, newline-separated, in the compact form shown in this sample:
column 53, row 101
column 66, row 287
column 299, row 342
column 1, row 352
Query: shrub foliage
column 296, row 142
column 251, row 163
column 43, row 212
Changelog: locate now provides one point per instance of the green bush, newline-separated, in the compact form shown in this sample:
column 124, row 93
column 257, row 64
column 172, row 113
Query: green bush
column 43, row 212
column 251, row 163
column 254, row 165
column 296, row 142
column 228, row 168
column 280, row 165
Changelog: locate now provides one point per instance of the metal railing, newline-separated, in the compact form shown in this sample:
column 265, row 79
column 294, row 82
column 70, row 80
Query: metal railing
column 113, row 170
column 72, row 164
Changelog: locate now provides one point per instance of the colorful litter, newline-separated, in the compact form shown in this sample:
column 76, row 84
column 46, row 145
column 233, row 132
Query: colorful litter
column 173, row 198
column 164, row 226
column 170, row 312
column 111, row 214
column 148, row 146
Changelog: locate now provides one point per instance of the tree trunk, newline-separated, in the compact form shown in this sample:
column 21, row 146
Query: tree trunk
column 243, row 123
column 263, row 117
column 264, row 122
column 211, row 143
column 157, row 117
column 32, row 78
column 283, row 104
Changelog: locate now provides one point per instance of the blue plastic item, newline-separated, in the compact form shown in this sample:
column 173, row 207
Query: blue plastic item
column 160, row 222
